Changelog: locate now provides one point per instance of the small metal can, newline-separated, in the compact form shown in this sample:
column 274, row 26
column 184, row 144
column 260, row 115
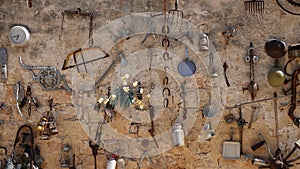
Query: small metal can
column 178, row 135
column 111, row 164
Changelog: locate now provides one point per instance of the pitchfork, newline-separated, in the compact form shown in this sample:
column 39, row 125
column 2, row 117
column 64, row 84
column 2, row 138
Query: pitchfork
column 254, row 7
column 177, row 12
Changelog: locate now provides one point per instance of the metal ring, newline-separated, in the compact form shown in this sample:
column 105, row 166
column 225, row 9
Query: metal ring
column 166, row 102
column 168, row 93
column 165, row 68
column 255, row 59
column 165, row 42
column 163, row 29
column 166, row 56
column 166, row 81
column 247, row 58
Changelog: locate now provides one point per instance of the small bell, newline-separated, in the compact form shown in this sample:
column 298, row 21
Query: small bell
column 66, row 157
column 111, row 163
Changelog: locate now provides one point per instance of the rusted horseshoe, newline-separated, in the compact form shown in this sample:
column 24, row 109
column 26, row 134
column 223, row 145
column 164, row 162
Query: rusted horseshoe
column 166, row 56
column 164, row 93
column 166, row 102
column 166, row 81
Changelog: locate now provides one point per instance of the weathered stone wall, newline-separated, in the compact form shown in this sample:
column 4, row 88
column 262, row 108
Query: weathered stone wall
column 45, row 48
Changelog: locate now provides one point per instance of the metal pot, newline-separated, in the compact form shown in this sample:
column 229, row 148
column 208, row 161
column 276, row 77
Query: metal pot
column 275, row 48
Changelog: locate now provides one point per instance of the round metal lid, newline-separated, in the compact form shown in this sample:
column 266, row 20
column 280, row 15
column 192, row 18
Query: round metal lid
column 209, row 111
column 275, row 48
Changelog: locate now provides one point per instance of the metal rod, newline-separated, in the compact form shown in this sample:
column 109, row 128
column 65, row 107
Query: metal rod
column 107, row 71
column 276, row 119
column 83, row 61
column 256, row 101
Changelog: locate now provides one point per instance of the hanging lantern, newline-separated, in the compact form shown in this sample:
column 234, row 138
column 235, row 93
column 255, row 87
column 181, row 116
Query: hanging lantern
column 47, row 125
column 42, row 123
column 66, row 157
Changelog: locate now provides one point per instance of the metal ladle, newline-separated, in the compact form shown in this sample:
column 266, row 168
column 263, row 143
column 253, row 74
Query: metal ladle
column 209, row 111
column 276, row 49
column 186, row 67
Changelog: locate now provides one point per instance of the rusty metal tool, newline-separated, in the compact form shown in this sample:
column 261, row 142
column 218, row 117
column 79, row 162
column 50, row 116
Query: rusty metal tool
column 134, row 128
column 241, row 123
column 254, row 115
column 288, row 8
column 107, row 71
column 24, row 141
column 254, row 7
column 80, row 50
column 28, row 99
column 166, row 92
column 225, row 67
column 296, row 146
column 266, row 144
column 78, row 12
column 99, row 134
column 294, row 98
column 94, row 148
column 176, row 13
column 99, row 144
column 152, row 130
column 165, row 30
column 252, row 87
column 276, row 119
column 49, row 78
